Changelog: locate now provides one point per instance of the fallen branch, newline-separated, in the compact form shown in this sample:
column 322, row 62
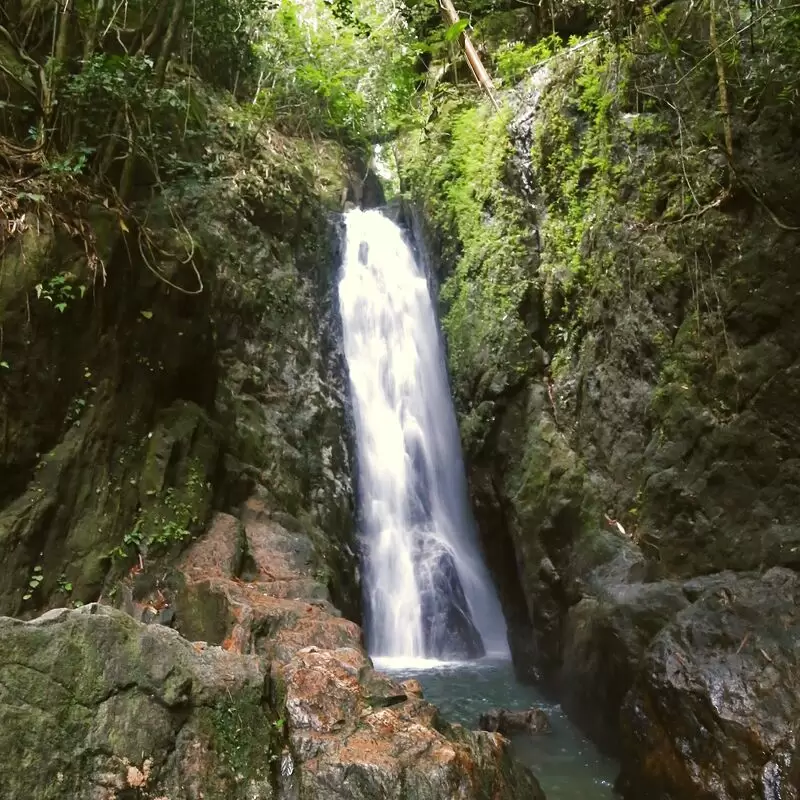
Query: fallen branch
column 473, row 59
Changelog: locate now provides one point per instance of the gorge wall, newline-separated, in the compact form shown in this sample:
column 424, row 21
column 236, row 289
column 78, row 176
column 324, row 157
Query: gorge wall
column 619, row 297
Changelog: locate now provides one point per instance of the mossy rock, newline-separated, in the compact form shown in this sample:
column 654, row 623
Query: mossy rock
column 111, row 702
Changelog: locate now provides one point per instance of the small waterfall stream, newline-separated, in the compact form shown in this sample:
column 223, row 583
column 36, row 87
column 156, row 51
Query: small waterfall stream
column 428, row 592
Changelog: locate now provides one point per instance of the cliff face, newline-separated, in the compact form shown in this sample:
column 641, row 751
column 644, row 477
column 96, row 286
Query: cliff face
column 619, row 297
column 193, row 368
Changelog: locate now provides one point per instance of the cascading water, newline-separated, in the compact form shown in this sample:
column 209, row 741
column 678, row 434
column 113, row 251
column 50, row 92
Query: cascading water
column 428, row 592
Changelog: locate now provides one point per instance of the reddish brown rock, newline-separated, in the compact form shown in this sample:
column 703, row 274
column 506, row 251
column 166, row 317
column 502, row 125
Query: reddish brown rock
column 350, row 732
column 412, row 688
column 280, row 607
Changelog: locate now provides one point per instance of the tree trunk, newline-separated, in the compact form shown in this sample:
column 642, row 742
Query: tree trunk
column 169, row 42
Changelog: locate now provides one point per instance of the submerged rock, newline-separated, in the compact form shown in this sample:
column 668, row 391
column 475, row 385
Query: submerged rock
column 714, row 711
column 501, row 720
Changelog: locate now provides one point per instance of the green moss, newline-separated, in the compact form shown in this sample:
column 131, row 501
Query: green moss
column 490, row 246
column 246, row 738
column 550, row 479
column 574, row 162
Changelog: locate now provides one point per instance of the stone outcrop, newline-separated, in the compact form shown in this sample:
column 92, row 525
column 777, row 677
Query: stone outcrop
column 95, row 705
column 624, row 360
column 156, row 406
column 714, row 710
column 186, row 462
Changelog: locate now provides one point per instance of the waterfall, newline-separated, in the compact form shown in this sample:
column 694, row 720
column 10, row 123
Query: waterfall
column 428, row 592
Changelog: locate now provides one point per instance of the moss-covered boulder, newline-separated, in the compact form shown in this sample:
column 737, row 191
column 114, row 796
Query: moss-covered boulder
column 94, row 704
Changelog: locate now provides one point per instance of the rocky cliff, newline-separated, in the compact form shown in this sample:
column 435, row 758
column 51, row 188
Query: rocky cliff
column 619, row 298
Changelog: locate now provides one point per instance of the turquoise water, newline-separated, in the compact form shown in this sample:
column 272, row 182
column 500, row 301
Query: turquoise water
column 568, row 765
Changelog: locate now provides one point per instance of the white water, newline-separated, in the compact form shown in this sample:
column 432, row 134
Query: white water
column 416, row 526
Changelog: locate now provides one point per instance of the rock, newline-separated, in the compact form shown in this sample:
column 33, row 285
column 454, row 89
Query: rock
column 449, row 630
column 95, row 705
column 282, row 703
column 351, row 747
column 534, row 720
column 713, row 712
column 412, row 687
column 282, row 608
column 352, row 732
column 605, row 638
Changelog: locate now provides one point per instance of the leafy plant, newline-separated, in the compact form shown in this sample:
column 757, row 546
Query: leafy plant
column 515, row 59
column 34, row 582
column 64, row 585
column 60, row 290
column 170, row 519
column 323, row 76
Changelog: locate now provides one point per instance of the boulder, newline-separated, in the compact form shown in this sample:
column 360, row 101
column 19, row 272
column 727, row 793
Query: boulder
column 714, row 709
column 605, row 637
column 412, row 687
column 359, row 736
column 251, row 585
column 450, row 632
column 96, row 705
column 506, row 722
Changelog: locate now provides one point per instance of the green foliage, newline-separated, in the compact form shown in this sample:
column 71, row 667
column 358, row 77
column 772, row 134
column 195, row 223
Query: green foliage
column 33, row 582
column 455, row 30
column 578, row 157
column 325, row 77
column 168, row 520
column 514, row 59
column 60, row 290
column 459, row 169
column 245, row 737
column 221, row 37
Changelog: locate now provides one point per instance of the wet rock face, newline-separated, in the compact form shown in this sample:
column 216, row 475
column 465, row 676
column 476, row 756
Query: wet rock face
column 605, row 637
column 506, row 722
column 450, row 632
column 714, row 710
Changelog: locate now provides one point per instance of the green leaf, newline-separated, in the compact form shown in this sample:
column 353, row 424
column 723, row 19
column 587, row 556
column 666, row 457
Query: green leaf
column 36, row 198
column 147, row 314
column 4, row 365
column 61, row 307
column 455, row 30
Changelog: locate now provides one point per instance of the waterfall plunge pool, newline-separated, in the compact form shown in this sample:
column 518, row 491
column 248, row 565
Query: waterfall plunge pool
column 566, row 763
